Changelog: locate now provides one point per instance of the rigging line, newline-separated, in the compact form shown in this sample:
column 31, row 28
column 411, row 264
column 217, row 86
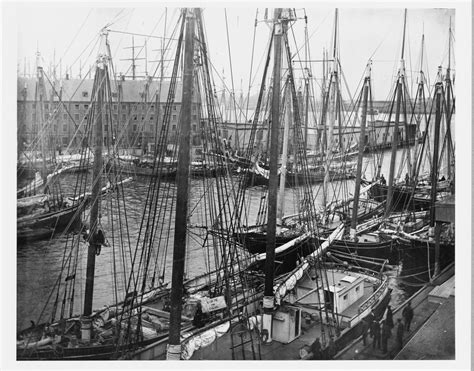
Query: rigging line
column 143, row 46
column 75, row 36
column 97, row 39
column 114, row 20
column 144, row 35
column 121, row 39
column 251, row 65
column 231, row 71
column 312, row 34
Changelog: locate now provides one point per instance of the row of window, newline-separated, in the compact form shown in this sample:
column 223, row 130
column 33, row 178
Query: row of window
column 115, row 117
column 135, row 107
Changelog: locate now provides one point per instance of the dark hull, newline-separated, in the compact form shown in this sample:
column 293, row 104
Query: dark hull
column 47, row 225
column 168, row 172
column 402, row 197
column 296, row 179
column 286, row 261
column 102, row 352
column 366, row 254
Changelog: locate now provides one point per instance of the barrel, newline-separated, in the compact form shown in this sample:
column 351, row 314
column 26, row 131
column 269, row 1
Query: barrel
column 86, row 325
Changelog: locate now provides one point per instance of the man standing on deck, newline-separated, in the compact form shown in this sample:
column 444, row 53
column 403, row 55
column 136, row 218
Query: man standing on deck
column 375, row 333
column 316, row 349
column 400, row 331
column 389, row 316
column 365, row 330
column 386, row 334
column 407, row 314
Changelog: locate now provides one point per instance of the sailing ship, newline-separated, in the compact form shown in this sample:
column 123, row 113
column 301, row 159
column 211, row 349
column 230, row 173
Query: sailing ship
column 42, row 208
column 281, row 318
column 143, row 315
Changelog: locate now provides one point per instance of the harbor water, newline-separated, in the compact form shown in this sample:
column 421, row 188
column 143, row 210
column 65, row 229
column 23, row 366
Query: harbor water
column 39, row 263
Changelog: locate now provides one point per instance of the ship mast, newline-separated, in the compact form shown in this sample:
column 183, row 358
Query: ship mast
column 355, row 208
column 400, row 86
column 179, row 249
column 284, row 159
column 434, row 168
column 332, row 118
column 94, row 245
column 448, row 104
column 41, row 127
column 268, row 299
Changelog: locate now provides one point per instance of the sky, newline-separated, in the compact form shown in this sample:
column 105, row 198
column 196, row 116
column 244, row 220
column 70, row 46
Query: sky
column 69, row 32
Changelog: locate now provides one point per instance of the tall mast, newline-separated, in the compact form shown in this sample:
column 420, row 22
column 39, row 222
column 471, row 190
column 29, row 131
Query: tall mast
column 41, row 94
column 332, row 117
column 268, row 299
column 420, row 96
column 284, row 158
column 400, row 85
column 179, row 249
column 448, row 103
column 100, row 80
column 355, row 208
column 306, row 85
column 434, row 167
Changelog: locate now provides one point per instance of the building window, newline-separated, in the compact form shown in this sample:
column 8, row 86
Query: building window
column 135, row 108
column 34, row 105
column 76, row 116
column 85, row 94
column 106, row 127
column 194, row 117
column 143, row 118
column 153, row 106
column 357, row 288
column 123, row 117
column 114, row 95
column 134, row 127
column 134, row 118
column 46, row 106
column 64, row 128
column 345, row 297
column 124, row 106
column 86, row 106
column 64, row 141
column 174, row 127
column 76, row 106
column 115, row 107
column 65, row 116
column 115, row 117
column 175, row 108
column 174, row 117
column 194, row 127
column 55, row 128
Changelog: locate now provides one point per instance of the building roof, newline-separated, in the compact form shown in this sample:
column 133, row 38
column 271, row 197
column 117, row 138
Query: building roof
column 73, row 90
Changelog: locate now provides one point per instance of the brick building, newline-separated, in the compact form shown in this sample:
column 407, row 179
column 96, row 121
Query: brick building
column 134, row 112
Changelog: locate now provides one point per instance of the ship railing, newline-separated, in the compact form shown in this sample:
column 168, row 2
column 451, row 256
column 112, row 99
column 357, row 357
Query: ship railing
column 374, row 297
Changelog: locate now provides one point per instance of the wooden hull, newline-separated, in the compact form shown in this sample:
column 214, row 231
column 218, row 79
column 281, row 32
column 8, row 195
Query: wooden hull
column 48, row 224
column 297, row 179
column 402, row 197
column 103, row 352
column 168, row 172
column 256, row 242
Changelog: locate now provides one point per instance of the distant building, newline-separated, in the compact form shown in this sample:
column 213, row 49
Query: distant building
column 136, row 112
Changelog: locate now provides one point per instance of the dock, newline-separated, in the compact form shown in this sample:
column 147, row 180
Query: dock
column 432, row 333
